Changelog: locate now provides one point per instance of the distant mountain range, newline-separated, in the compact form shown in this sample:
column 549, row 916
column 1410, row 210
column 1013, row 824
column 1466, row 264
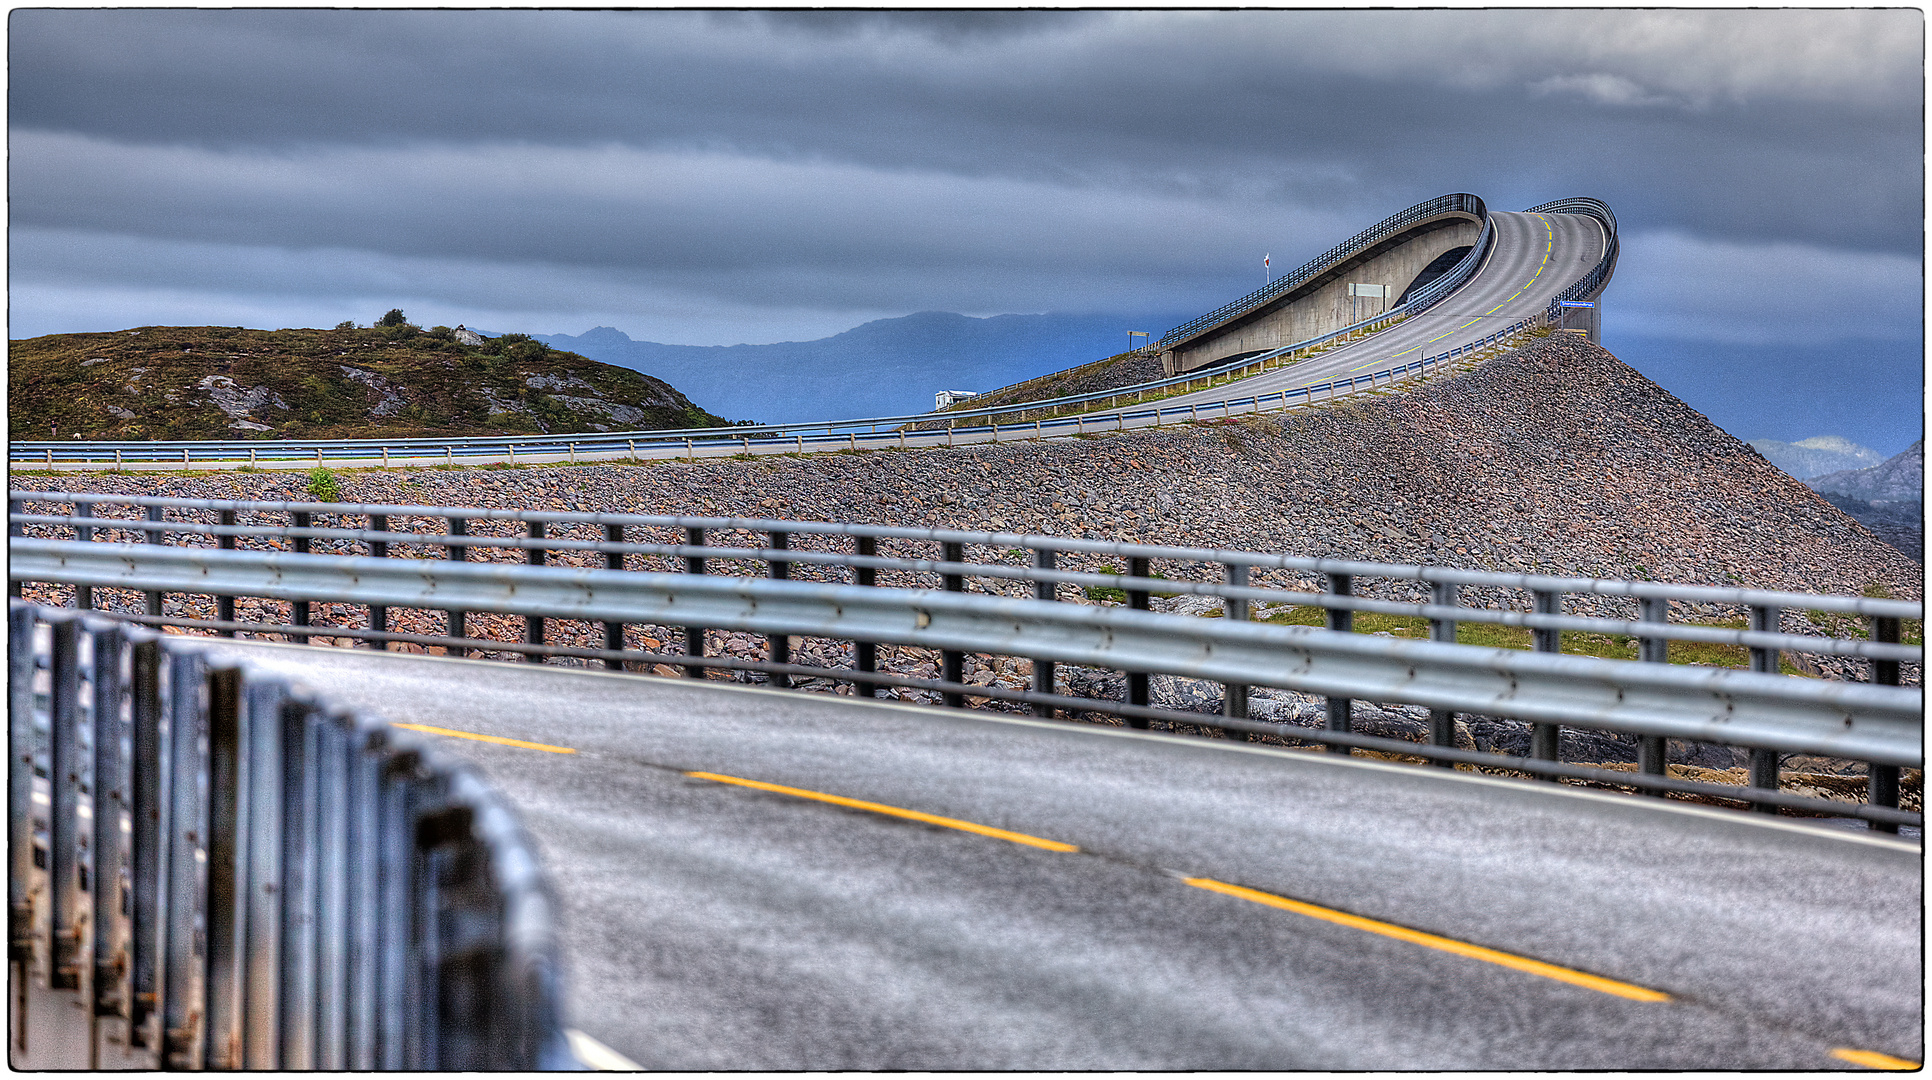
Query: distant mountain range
column 1900, row 478
column 883, row 368
column 1888, row 498
column 1816, row 456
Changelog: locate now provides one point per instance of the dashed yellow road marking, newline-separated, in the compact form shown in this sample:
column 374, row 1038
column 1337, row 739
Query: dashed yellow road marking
column 546, row 747
column 891, row 811
column 1433, row 941
column 1872, row 1059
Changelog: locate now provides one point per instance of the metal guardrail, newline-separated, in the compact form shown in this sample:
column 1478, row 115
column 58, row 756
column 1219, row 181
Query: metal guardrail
column 882, row 584
column 211, row 869
column 1461, row 202
column 867, row 432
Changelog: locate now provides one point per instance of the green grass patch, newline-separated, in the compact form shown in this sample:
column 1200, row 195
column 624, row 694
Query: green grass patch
column 1099, row 593
column 1574, row 642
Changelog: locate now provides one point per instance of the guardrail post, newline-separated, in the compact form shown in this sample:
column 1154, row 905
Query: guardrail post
column 299, row 886
column 1653, row 757
column 152, row 598
column 14, row 506
column 227, row 868
column 68, row 776
column 149, row 818
column 263, row 874
column 225, row 605
column 112, row 798
column 83, row 511
column 533, row 625
column 952, row 661
column 189, row 904
column 458, row 620
column 333, row 897
column 780, row 645
column 865, row 654
column 1442, row 723
column 1546, row 739
column 299, row 609
column 379, row 549
column 614, row 631
column 360, row 1027
column 694, row 635
column 1342, row 621
column 1137, row 681
column 1234, row 696
column 1043, row 670
column 1764, row 761
column 1881, row 781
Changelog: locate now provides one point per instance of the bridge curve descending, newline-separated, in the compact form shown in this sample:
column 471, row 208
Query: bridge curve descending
column 1520, row 271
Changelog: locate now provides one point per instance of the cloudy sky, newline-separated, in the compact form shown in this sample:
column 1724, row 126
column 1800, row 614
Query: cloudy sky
column 728, row 177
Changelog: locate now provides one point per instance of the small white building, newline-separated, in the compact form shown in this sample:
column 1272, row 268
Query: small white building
column 945, row 398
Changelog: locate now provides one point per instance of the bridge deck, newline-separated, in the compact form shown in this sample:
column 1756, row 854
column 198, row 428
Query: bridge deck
column 710, row 925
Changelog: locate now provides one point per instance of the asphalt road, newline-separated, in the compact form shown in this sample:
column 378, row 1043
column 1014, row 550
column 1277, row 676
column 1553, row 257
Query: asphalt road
column 713, row 925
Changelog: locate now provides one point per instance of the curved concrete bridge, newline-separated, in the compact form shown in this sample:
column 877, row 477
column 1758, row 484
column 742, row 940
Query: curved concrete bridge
column 1533, row 258
column 1513, row 267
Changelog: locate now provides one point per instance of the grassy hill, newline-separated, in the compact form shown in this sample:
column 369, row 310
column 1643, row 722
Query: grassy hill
column 207, row 382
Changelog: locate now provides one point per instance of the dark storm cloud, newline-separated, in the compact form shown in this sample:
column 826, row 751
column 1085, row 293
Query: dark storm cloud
column 1339, row 110
column 587, row 165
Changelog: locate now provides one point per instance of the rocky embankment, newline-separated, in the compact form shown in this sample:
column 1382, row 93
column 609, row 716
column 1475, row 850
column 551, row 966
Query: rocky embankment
column 1556, row 458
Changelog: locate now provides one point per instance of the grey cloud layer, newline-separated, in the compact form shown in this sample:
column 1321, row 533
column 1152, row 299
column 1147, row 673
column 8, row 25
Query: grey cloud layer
column 873, row 162
column 1338, row 109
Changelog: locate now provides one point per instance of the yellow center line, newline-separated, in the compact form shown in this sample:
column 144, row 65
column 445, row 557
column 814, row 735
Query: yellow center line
column 891, row 811
column 486, row 738
column 1549, row 239
column 1872, row 1059
column 1432, row 941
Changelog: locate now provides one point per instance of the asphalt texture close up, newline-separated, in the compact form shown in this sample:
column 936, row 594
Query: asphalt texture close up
column 1227, row 907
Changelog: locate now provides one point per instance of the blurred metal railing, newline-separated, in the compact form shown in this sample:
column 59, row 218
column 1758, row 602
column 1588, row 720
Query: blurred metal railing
column 212, row 869
column 644, row 589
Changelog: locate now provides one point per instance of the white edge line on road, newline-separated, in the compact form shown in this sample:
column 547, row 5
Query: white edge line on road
column 1062, row 727
column 598, row 1056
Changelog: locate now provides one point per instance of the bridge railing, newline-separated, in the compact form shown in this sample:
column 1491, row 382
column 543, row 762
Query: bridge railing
column 793, row 602
column 212, row 869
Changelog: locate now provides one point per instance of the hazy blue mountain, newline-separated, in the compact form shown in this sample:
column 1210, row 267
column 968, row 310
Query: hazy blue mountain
column 1803, row 459
column 1900, row 478
column 886, row 367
